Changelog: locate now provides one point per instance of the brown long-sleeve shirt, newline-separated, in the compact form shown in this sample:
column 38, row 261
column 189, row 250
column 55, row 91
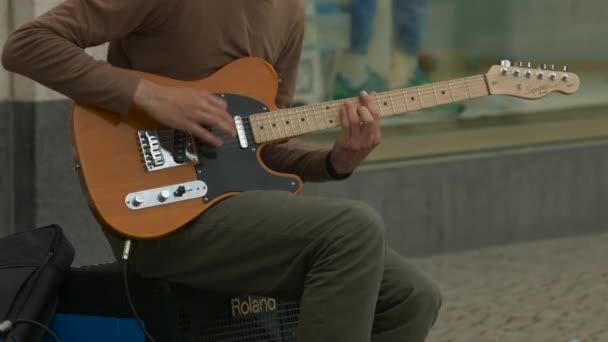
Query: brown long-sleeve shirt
column 181, row 39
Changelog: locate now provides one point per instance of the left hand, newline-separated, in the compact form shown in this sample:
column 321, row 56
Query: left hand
column 359, row 136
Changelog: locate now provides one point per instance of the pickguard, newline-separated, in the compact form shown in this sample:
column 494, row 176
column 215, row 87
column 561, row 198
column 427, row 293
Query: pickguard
column 231, row 168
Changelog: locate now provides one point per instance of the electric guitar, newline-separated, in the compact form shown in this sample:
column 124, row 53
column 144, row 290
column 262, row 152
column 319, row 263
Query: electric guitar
column 144, row 181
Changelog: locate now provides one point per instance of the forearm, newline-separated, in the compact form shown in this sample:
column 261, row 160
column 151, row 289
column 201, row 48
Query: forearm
column 39, row 54
column 307, row 161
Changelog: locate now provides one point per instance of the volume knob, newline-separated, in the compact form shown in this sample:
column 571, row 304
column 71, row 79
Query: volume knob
column 138, row 200
column 164, row 195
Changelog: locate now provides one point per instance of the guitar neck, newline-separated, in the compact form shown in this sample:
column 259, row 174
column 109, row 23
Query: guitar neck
column 292, row 122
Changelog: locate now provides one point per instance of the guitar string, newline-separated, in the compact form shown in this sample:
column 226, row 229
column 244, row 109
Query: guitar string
column 296, row 112
column 312, row 115
column 229, row 141
column 332, row 105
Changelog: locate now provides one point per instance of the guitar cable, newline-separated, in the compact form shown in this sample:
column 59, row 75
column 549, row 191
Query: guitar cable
column 126, row 252
column 8, row 325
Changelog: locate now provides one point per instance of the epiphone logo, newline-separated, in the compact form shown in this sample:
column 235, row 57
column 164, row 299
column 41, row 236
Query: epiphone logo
column 252, row 306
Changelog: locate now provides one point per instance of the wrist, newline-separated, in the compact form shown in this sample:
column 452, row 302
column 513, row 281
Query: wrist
column 331, row 170
column 146, row 94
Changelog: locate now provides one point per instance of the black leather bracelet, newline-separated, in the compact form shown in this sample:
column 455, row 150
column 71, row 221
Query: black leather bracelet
column 331, row 171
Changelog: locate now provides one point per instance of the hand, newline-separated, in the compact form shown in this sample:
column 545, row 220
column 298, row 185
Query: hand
column 359, row 136
column 185, row 109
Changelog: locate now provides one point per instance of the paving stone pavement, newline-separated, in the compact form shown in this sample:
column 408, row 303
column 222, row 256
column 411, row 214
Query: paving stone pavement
column 550, row 291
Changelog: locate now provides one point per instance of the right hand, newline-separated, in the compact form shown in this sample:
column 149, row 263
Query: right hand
column 185, row 109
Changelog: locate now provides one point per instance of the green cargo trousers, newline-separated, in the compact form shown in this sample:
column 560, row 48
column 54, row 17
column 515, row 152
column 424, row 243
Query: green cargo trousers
column 329, row 253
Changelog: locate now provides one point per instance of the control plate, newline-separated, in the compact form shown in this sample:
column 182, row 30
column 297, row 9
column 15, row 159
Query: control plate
column 166, row 195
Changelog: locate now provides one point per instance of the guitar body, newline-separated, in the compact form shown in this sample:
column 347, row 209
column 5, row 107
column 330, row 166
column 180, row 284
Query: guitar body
column 109, row 154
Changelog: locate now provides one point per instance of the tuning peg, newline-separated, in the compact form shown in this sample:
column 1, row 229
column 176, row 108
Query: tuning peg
column 552, row 67
column 529, row 64
column 505, row 63
column 543, row 66
column 565, row 68
column 520, row 64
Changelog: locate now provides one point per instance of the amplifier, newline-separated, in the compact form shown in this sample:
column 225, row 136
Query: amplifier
column 93, row 307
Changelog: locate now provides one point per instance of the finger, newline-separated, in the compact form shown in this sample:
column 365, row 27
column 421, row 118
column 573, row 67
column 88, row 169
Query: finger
column 344, row 136
column 367, row 127
column 217, row 102
column 205, row 135
column 367, row 101
column 218, row 120
column 354, row 121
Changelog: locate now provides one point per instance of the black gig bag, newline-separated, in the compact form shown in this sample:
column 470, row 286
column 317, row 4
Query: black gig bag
column 32, row 266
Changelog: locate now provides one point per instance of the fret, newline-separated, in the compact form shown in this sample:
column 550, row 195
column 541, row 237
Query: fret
column 379, row 103
column 259, row 125
column 324, row 109
column 283, row 123
column 390, row 98
column 466, row 81
column 297, row 119
column 435, row 93
column 459, row 92
column 306, row 115
column 413, row 99
column 265, row 128
column 407, row 108
column 451, row 91
column 420, row 97
column 314, row 113
column 271, row 125
column 443, row 93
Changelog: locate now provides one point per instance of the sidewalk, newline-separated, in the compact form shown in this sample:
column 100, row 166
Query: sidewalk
column 538, row 291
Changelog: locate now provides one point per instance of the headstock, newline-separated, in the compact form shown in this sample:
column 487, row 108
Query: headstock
column 530, row 83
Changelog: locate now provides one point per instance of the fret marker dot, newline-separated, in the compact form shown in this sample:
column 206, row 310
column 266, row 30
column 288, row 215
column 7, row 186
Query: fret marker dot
column 303, row 119
column 386, row 103
column 327, row 107
column 261, row 127
column 274, row 125
column 331, row 121
column 287, row 122
column 443, row 92
column 413, row 98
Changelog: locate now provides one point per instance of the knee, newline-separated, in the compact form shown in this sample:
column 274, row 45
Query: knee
column 426, row 300
column 363, row 223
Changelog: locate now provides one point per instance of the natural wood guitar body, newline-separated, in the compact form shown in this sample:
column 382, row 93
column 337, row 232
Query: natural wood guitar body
column 110, row 164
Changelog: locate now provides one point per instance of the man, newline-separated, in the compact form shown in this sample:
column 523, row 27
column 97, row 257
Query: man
column 354, row 72
column 329, row 253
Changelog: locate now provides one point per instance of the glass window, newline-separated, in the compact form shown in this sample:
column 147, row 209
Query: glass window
column 413, row 47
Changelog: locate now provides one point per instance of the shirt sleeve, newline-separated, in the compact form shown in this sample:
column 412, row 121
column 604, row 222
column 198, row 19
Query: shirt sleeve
column 50, row 49
column 295, row 157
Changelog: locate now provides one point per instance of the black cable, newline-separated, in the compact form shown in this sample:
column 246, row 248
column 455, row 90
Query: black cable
column 40, row 325
column 125, row 273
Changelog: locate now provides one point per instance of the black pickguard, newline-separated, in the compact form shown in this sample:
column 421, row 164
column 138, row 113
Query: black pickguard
column 230, row 168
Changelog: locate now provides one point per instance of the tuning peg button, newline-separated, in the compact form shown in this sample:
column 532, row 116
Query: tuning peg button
column 565, row 77
column 540, row 75
column 552, row 76
column 528, row 73
column 516, row 72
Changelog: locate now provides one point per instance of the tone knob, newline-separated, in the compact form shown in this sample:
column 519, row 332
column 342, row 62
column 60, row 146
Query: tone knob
column 138, row 200
column 164, row 195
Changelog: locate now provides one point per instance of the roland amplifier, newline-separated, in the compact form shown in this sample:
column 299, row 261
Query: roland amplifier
column 93, row 307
